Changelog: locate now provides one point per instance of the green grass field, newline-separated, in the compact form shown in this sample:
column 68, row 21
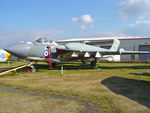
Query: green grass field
column 112, row 88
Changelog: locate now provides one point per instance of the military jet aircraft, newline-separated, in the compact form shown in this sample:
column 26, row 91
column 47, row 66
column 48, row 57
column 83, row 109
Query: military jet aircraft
column 52, row 52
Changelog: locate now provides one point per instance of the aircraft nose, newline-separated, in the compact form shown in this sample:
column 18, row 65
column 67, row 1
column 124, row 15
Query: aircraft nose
column 19, row 50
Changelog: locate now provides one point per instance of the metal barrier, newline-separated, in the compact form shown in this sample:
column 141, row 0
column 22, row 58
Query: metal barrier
column 14, row 69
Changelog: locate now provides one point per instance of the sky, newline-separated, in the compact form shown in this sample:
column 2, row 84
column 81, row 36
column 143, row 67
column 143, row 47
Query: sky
column 28, row 20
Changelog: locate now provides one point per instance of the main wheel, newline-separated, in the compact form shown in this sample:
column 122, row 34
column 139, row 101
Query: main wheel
column 93, row 64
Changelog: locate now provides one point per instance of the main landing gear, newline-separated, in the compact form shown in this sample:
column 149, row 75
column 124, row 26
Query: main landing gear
column 93, row 64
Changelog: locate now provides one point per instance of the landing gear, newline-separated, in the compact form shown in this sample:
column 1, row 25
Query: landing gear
column 54, row 64
column 93, row 64
column 33, row 68
column 83, row 62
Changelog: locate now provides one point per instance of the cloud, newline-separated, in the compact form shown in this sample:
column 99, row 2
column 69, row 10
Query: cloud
column 83, row 27
column 134, row 8
column 75, row 20
column 141, row 17
column 138, row 23
column 87, row 19
column 11, row 37
column 84, row 20
column 139, row 28
column 104, row 34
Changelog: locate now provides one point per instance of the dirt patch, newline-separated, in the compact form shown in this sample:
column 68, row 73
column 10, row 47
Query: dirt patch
column 89, row 106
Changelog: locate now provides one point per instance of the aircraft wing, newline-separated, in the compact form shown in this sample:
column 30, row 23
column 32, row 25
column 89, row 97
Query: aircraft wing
column 86, row 41
column 79, row 47
column 98, row 42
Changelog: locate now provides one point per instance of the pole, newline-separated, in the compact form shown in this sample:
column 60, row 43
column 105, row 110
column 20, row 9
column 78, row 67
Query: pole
column 139, row 75
column 62, row 71
column 49, row 57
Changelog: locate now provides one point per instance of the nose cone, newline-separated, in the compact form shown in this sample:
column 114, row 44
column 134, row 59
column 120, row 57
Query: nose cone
column 19, row 50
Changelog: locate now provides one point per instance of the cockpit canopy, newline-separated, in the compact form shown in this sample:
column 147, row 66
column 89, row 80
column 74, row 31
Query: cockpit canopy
column 43, row 40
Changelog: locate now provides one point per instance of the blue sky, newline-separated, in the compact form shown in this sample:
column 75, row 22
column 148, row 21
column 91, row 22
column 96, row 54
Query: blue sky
column 27, row 20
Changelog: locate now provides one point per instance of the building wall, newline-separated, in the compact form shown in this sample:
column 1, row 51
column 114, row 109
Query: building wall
column 133, row 45
column 144, row 57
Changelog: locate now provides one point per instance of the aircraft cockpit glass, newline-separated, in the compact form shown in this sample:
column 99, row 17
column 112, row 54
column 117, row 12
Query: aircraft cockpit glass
column 43, row 41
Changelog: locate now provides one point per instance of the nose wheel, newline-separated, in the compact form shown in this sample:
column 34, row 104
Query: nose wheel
column 33, row 68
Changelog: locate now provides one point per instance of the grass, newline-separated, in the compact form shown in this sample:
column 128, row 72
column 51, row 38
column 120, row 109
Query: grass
column 114, row 88
column 12, row 102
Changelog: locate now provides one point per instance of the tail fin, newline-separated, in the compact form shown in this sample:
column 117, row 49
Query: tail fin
column 115, row 45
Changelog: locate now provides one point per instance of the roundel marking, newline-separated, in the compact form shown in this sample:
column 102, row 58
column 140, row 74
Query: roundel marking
column 45, row 54
column 3, row 55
